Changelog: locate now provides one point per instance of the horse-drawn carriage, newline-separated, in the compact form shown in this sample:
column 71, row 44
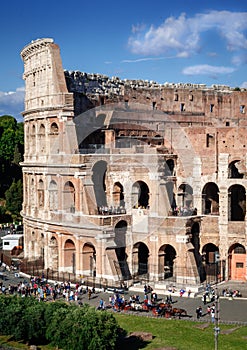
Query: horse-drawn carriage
column 167, row 311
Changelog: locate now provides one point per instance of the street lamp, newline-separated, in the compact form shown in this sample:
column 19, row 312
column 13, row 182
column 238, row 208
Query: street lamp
column 217, row 304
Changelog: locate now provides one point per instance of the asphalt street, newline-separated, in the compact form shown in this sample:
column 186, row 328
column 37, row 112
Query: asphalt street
column 230, row 311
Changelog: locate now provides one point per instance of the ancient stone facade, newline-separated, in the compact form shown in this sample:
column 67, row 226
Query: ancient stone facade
column 132, row 180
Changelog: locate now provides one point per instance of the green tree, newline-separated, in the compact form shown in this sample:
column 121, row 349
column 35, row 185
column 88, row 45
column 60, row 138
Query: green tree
column 14, row 199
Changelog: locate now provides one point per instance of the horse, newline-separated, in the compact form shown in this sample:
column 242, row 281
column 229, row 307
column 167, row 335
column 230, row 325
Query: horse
column 178, row 312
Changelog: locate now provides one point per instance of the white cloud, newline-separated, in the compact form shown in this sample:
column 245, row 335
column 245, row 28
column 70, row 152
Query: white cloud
column 207, row 69
column 12, row 103
column 182, row 35
column 146, row 59
column 244, row 85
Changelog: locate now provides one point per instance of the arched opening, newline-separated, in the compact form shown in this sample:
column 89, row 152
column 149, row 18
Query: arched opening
column 236, row 203
column 185, row 196
column 54, row 128
column 33, row 140
column 237, row 262
column 169, row 168
column 120, row 240
column 118, row 195
column 233, row 172
column 210, row 199
column 211, row 263
column 140, row 195
column 167, row 256
column 41, row 194
column 69, row 197
column 69, row 256
column 42, row 141
column 54, row 138
column 89, row 260
column 98, row 177
column 140, row 260
column 53, row 254
column 53, row 196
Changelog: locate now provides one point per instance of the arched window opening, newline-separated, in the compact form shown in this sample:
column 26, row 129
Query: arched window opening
column 211, row 264
column 41, row 137
column 169, row 168
column 118, row 195
column 140, row 195
column 140, row 260
column 69, row 197
column 54, row 128
column 237, row 262
column 69, row 256
column 53, row 196
column 233, row 171
column 42, row 129
column 41, row 194
column 89, row 260
column 210, row 199
column 167, row 256
column 53, row 254
column 99, row 181
column 185, row 200
column 236, row 203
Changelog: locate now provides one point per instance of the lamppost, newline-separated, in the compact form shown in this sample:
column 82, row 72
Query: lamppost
column 217, row 304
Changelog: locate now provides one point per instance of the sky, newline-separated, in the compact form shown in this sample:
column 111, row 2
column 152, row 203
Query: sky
column 201, row 42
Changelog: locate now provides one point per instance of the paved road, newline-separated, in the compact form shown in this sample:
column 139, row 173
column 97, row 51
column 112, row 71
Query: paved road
column 229, row 310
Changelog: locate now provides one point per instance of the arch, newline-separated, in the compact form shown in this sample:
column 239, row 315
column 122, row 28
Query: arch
column 210, row 199
column 118, row 195
column 41, row 139
column 54, row 128
column 233, row 172
column 69, row 256
column 169, row 167
column 185, row 196
column 41, row 193
column 120, row 233
column 237, row 262
column 42, row 129
column 53, row 195
column 211, row 264
column 140, row 195
column 166, row 257
column 53, row 254
column 33, row 131
column 236, row 203
column 89, row 260
column 69, row 197
column 140, row 260
column 32, row 193
column 98, row 178
column 208, row 252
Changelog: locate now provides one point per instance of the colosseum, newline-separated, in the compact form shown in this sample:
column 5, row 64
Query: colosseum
column 128, row 181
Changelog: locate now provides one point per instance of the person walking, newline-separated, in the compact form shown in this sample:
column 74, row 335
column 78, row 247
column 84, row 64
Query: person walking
column 199, row 312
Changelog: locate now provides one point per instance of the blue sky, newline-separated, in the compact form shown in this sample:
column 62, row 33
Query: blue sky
column 165, row 41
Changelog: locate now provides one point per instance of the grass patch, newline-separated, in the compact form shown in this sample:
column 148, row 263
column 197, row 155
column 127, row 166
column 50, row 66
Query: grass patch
column 181, row 335
column 166, row 333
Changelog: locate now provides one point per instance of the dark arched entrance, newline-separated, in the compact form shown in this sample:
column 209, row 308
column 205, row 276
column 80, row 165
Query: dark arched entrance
column 140, row 195
column 98, row 177
column 167, row 256
column 140, row 260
